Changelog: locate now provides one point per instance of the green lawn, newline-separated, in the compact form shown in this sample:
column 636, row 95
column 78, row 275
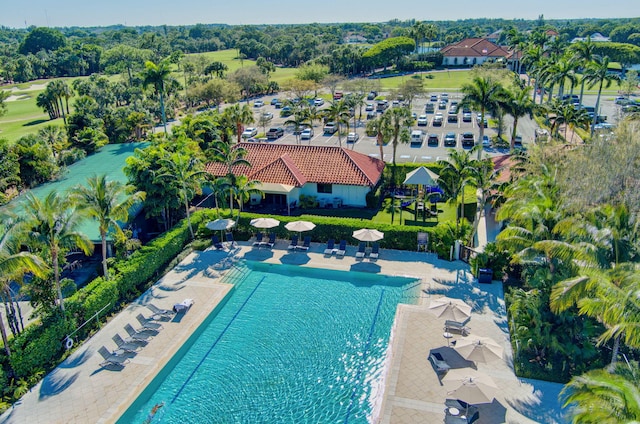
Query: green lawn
column 23, row 117
column 441, row 80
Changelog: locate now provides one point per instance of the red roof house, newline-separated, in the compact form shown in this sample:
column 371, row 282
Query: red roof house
column 472, row 51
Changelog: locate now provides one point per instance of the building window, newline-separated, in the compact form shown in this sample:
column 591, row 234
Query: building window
column 325, row 188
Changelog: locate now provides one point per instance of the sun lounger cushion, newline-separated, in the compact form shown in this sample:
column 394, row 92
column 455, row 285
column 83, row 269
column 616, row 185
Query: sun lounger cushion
column 183, row 306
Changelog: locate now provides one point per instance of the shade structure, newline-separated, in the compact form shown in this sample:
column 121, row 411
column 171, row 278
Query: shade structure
column 470, row 386
column 421, row 176
column 220, row 224
column 450, row 309
column 264, row 222
column 368, row 235
column 479, row 349
column 300, row 226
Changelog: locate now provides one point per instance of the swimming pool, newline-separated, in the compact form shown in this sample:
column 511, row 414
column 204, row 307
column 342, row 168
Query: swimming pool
column 290, row 344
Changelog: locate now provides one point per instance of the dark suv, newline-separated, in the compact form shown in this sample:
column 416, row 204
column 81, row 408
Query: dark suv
column 275, row 133
column 433, row 140
column 467, row 140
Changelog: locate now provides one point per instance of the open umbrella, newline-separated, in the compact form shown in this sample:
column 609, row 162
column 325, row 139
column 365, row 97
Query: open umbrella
column 479, row 349
column 300, row 226
column 264, row 222
column 450, row 309
column 220, row 224
column 368, row 235
column 470, row 386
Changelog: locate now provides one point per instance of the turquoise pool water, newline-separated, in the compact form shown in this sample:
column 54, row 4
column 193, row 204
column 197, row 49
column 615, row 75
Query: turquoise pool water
column 290, row 345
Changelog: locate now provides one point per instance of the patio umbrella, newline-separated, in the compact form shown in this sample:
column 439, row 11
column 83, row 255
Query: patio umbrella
column 479, row 349
column 471, row 386
column 300, row 226
column 220, row 224
column 264, row 222
column 450, row 309
column 368, row 235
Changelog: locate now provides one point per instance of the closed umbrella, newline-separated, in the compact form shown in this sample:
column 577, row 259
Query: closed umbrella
column 479, row 349
column 450, row 309
column 264, row 222
column 472, row 388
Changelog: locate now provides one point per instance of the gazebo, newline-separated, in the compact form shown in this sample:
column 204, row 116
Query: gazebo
column 423, row 178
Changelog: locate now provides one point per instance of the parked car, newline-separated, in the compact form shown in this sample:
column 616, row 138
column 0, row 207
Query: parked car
column 382, row 105
column 275, row 133
column 286, row 111
column 337, row 95
column 429, row 108
column 274, row 101
column 395, row 103
column 267, row 115
column 372, row 114
column 330, row 128
column 467, row 140
column 452, row 117
column 417, row 137
column 369, row 107
column 518, row 140
column 433, row 140
column 450, row 140
column 434, row 98
column 306, row 134
column 444, row 97
column 437, row 120
column 278, row 104
column 485, row 141
column 318, row 102
column 442, row 105
column 352, row 137
column 372, row 95
column 466, row 117
column 423, row 121
column 258, row 103
column 249, row 132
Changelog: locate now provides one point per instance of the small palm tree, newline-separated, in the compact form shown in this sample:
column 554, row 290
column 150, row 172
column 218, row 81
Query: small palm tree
column 584, row 52
column 483, row 94
column 338, row 112
column 108, row 203
column 52, row 225
column 242, row 189
column 158, row 75
column 400, row 121
column 382, row 129
column 518, row 104
column 239, row 115
column 230, row 157
column 598, row 74
column 453, row 178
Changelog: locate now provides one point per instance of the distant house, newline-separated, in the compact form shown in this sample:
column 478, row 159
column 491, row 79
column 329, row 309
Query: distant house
column 334, row 175
column 494, row 36
column 353, row 38
column 473, row 51
column 596, row 37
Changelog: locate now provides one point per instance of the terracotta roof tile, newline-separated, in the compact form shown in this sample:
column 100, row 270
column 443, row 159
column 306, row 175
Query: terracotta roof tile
column 297, row 164
column 474, row 47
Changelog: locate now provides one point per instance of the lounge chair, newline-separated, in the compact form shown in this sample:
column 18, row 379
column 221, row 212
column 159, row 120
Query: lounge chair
column 215, row 241
column 271, row 241
column 342, row 249
column 148, row 324
column 375, row 251
column 230, row 241
column 160, row 314
column 361, row 250
column 136, row 334
column 456, row 326
column 305, row 244
column 438, row 362
column 111, row 359
column 423, row 240
column 124, row 346
column 294, row 243
column 258, row 241
column 330, row 250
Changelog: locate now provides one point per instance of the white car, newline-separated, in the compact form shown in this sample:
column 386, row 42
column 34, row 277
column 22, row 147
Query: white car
column 352, row 137
column 250, row 132
column 306, row 134
column 318, row 102
column 369, row 107
column 258, row 103
column 423, row 121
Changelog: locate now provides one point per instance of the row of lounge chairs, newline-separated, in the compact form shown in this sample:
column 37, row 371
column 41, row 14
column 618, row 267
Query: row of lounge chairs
column 215, row 242
column 137, row 338
column 295, row 246
column 261, row 242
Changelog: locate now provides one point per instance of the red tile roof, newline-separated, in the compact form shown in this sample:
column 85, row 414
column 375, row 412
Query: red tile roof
column 504, row 164
column 474, row 47
column 297, row 165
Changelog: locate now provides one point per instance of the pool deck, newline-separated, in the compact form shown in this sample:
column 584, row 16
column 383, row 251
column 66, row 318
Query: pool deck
column 80, row 391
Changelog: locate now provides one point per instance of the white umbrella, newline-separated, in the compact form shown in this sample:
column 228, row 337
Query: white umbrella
column 264, row 222
column 455, row 377
column 472, row 390
column 300, row 226
column 450, row 309
column 479, row 349
column 368, row 235
column 220, row 224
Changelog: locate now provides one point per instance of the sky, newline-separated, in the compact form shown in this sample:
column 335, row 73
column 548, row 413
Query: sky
column 62, row 13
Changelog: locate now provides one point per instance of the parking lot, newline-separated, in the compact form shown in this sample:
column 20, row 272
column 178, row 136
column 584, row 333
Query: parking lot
column 414, row 152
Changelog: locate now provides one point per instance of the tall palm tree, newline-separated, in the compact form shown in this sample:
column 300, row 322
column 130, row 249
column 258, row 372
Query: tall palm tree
column 242, row 189
column 52, row 225
column 518, row 104
column 603, row 397
column 532, row 59
column 584, row 52
column 400, row 120
column 453, row 178
column 188, row 173
column 158, row 75
column 338, row 112
column 598, row 74
column 230, row 156
column 107, row 202
column 298, row 119
column 239, row 115
column 382, row 129
column 482, row 176
column 482, row 94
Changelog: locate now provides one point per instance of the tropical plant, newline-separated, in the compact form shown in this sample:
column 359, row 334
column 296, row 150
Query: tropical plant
column 338, row 112
column 230, row 157
column 453, row 178
column 158, row 75
column 52, row 225
column 482, row 94
column 400, row 120
column 242, row 189
column 597, row 73
column 518, row 104
column 584, row 54
column 239, row 116
column 380, row 128
column 108, row 203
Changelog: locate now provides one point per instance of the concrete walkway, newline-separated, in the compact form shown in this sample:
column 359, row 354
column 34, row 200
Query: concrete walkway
column 79, row 391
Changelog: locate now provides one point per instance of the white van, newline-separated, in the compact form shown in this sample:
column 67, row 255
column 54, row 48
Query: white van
column 417, row 137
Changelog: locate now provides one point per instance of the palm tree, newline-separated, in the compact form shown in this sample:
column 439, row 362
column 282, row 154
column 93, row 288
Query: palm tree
column 518, row 104
column 482, row 93
column 230, row 157
column 598, row 74
column 563, row 69
column 56, row 137
column 158, row 75
column 382, row 129
column 454, row 177
column 242, row 189
column 239, row 116
column 108, row 203
column 14, row 261
column 189, row 175
column 297, row 120
column 604, row 397
column 584, row 52
column 52, row 225
column 338, row 112
column 482, row 176
column 532, row 60
column 400, row 120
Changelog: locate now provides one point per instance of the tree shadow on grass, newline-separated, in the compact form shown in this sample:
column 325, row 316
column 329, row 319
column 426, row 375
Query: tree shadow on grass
column 35, row 122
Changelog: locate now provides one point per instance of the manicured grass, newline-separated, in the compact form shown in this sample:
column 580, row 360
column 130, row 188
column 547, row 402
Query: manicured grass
column 23, row 117
column 440, row 80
